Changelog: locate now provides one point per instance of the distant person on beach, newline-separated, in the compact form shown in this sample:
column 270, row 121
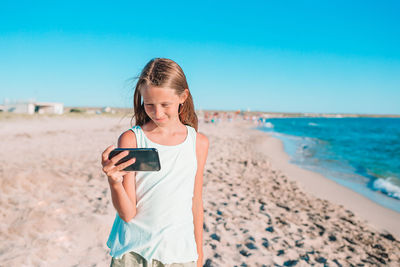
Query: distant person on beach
column 215, row 118
column 229, row 116
column 159, row 219
column 206, row 117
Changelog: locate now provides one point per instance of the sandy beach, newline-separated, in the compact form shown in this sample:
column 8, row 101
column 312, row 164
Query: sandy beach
column 56, row 210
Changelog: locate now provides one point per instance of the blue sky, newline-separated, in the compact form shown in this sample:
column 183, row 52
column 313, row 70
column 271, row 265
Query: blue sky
column 282, row 56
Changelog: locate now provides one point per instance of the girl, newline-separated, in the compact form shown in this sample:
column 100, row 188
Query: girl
column 159, row 219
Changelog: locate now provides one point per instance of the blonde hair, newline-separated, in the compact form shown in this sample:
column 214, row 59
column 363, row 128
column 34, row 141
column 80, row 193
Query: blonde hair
column 163, row 72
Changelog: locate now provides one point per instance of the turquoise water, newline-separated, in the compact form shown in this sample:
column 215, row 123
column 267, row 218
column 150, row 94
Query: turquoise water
column 360, row 153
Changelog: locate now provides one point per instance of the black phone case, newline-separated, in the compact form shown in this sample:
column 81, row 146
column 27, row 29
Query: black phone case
column 147, row 159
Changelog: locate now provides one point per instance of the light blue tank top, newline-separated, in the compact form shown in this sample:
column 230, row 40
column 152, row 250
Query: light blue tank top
column 163, row 227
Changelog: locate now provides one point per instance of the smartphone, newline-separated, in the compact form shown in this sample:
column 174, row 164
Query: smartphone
column 147, row 159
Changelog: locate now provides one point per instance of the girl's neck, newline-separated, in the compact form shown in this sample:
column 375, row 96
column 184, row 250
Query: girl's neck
column 165, row 129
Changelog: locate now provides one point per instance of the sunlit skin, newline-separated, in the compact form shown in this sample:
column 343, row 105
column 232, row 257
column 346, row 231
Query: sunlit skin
column 162, row 105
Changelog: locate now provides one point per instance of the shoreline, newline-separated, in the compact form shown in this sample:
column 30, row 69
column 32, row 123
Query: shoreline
column 379, row 217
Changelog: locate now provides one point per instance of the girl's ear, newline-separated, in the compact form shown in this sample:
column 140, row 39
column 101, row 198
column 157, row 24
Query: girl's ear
column 184, row 95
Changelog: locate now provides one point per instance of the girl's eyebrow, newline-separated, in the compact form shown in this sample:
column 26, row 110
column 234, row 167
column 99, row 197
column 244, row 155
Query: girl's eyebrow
column 162, row 103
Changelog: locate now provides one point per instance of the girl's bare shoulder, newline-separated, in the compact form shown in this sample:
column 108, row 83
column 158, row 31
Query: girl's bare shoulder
column 202, row 141
column 127, row 139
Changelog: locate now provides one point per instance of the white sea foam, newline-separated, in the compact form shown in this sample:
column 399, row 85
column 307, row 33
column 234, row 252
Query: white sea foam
column 384, row 185
column 268, row 125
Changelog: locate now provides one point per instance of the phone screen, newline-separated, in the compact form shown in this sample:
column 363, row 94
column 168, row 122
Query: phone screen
column 147, row 159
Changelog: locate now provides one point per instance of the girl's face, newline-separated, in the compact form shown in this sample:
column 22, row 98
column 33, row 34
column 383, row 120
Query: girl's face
column 162, row 104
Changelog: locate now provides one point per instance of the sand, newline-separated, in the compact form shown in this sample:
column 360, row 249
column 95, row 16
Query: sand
column 56, row 210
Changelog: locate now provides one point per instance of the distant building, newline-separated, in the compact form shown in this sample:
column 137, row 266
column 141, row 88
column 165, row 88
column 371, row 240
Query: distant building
column 106, row 109
column 49, row 108
column 34, row 107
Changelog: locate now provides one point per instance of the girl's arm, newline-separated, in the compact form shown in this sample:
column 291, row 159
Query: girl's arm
column 123, row 193
column 198, row 212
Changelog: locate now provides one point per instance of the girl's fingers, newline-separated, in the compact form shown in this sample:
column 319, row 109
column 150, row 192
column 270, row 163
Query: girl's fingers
column 107, row 167
column 125, row 164
column 112, row 163
column 106, row 152
column 118, row 157
column 110, row 168
column 120, row 174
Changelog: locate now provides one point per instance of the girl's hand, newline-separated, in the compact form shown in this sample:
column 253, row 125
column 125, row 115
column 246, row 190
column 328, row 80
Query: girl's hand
column 115, row 173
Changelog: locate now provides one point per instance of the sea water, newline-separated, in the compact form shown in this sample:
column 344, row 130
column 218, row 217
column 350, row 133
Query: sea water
column 362, row 154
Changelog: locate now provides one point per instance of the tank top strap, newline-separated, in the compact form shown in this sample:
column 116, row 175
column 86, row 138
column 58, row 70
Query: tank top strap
column 139, row 136
column 192, row 134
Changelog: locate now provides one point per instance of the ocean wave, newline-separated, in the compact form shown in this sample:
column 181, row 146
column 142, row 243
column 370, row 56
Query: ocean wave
column 385, row 186
column 268, row 125
column 312, row 124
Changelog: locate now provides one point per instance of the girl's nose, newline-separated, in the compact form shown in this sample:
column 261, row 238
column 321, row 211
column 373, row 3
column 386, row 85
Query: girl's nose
column 158, row 111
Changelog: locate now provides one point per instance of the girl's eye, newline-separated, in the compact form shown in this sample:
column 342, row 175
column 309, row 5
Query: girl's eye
column 165, row 105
